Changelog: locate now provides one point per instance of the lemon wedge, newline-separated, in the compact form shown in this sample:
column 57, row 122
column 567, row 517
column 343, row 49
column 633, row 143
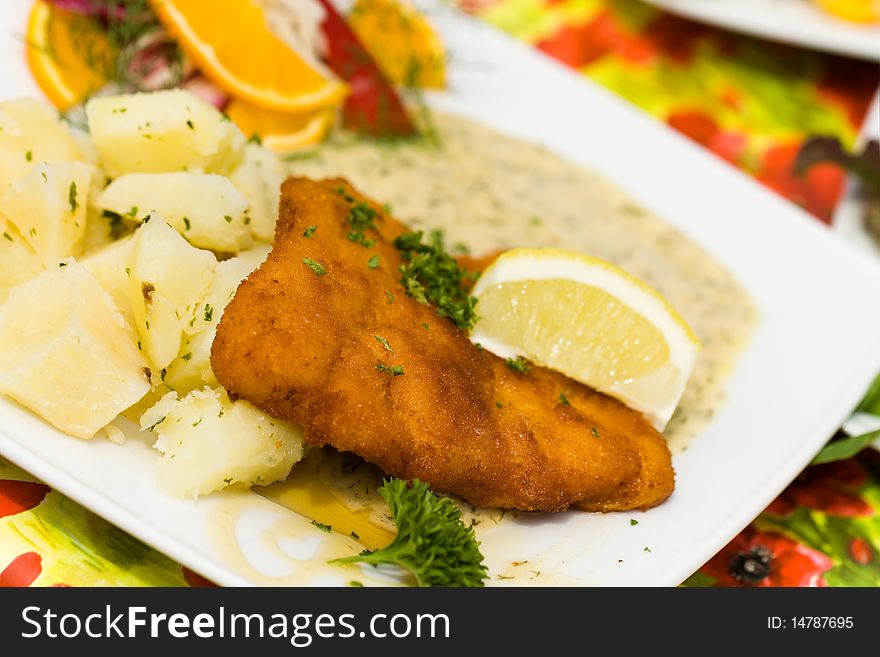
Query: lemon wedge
column 590, row 320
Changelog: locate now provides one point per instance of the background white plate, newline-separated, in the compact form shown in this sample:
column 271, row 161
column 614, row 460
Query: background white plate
column 848, row 220
column 811, row 358
column 791, row 21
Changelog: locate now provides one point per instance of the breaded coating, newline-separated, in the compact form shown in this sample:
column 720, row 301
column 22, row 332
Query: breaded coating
column 323, row 334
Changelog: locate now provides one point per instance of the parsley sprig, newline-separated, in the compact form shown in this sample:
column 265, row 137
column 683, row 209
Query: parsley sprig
column 432, row 542
column 432, row 276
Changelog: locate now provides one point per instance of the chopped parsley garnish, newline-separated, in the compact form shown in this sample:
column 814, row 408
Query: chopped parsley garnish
column 227, row 218
column 383, row 342
column 360, row 218
column 394, row 370
column 255, row 139
column 360, row 238
column 9, row 237
column 432, row 277
column 71, row 197
column 187, row 356
column 594, row 431
column 518, row 364
column 29, row 156
column 315, row 266
column 563, row 399
column 388, row 296
column 499, row 405
column 322, row 526
column 633, row 522
column 209, row 312
column 186, row 224
column 373, row 262
column 344, row 194
column 432, row 542
column 310, row 231
column 189, row 124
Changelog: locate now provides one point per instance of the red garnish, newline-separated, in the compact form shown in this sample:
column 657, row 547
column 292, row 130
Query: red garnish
column 373, row 107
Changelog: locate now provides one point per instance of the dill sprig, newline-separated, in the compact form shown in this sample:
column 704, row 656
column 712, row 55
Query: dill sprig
column 138, row 44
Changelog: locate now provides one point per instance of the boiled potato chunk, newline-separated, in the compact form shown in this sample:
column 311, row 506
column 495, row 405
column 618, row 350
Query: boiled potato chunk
column 65, row 353
column 209, row 442
column 31, row 133
column 205, row 208
column 192, row 368
column 111, row 267
column 48, row 207
column 168, row 278
column 259, row 179
column 162, row 131
column 18, row 262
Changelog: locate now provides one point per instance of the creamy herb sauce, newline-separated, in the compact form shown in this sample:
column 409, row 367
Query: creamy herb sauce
column 488, row 192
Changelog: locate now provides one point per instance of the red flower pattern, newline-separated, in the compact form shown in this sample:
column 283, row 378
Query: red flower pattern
column 861, row 551
column 831, row 488
column 817, row 192
column 584, row 43
column 765, row 559
column 694, row 124
column 19, row 496
column 23, row 570
column 195, row 580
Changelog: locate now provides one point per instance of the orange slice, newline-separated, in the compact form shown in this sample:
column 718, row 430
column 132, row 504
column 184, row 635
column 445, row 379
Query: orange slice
column 278, row 131
column 232, row 45
column 402, row 42
column 66, row 53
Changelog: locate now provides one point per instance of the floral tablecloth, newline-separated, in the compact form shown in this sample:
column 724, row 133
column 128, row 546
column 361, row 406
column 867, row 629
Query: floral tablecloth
column 750, row 102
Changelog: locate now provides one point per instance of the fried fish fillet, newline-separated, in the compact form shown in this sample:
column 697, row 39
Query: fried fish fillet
column 323, row 334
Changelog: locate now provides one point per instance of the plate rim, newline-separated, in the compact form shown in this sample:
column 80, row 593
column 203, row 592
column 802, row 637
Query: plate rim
column 178, row 550
column 837, row 36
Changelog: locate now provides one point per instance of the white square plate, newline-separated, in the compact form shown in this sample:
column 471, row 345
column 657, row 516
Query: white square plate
column 798, row 22
column 813, row 354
